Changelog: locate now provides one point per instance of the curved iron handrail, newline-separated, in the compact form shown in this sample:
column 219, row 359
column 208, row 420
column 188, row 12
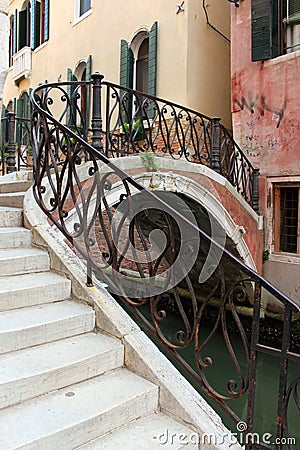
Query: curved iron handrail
column 127, row 122
column 110, row 219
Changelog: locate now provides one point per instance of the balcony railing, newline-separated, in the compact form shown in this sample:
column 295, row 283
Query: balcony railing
column 22, row 64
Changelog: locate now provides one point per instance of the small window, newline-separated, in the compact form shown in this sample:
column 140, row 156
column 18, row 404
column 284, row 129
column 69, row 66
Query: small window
column 40, row 22
column 84, row 6
column 291, row 23
column 275, row 28
column 287, row 219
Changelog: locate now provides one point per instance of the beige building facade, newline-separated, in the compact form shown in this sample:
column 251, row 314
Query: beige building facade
column 58, row 40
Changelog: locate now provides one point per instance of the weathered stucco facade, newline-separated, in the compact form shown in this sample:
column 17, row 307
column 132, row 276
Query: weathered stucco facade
column 266, row 107
column 193, row 61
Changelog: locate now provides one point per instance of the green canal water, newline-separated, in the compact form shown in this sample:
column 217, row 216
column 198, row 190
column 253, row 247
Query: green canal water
column 222, row 370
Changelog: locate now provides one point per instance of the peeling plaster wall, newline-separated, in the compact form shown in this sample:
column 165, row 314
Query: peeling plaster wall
column 266, row 124
column 265, row 102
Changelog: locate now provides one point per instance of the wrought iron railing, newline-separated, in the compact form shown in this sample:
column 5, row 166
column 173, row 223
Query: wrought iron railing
column 3, row 144
column 15, row 143
column 156, row 259
column 126, row 122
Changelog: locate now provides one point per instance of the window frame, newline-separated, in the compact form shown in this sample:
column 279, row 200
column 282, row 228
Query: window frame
column 270, row 30
column 277, row 217
column 77, row 16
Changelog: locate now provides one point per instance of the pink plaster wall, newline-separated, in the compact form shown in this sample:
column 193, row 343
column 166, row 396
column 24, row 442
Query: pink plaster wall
column 270, row 133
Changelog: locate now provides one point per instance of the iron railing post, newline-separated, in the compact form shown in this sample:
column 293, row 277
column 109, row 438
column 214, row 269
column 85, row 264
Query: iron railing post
column 96, row 112
column 255, row 191
column 215, row 145
column 11, row 147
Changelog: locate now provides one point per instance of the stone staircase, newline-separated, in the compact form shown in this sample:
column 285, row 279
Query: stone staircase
column 63, row 384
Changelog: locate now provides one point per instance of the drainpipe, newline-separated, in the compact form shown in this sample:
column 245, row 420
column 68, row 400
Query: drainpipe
column 211, row 25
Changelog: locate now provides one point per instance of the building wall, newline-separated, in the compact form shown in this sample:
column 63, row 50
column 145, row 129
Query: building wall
column 208, row 77
column 265, row 102
column 188, row 52
column 3, row 45
column 266, row 123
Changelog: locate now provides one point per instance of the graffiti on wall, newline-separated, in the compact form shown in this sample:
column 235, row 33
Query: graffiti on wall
column 255, row 142
column 252, row 142
column 258, row 103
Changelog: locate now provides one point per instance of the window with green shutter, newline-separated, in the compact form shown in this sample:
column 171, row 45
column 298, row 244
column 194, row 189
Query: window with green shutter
column 138, row 63
column 39, row 22
column 275, row 27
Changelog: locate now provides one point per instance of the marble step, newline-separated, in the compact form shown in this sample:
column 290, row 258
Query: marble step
column 15, row 186
column 13, row 237
column 154, row 432
column 13, row 199
column 35, row 325
column 15, row 261
column 70, row 417
column 31, row 289
column 11, row 217
column 28, row 373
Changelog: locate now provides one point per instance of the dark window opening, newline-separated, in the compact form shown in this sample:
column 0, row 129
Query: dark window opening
column 85, row 5
column 142, row 67
column 24, row 27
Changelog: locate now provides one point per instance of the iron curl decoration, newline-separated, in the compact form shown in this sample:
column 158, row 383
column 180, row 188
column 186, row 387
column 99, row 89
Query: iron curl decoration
column 148, row 246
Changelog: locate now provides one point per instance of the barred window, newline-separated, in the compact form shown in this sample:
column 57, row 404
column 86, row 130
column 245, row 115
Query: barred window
column 275, row 28
column 287, row 219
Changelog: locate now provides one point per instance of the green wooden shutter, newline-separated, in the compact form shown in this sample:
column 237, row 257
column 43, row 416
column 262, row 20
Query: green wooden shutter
column 126, row 80
column 33, row 24
column 3, row 128
column 126, row 65
column 19, row 110
column 88, row 74
column 19, row 113
column 30, row 105
column 275, row 48
column 26, row 107
column 46, row 20
column 152, row 68
column 265, row 33
column 152, row 64
column 69, row 92
column 15, row 25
